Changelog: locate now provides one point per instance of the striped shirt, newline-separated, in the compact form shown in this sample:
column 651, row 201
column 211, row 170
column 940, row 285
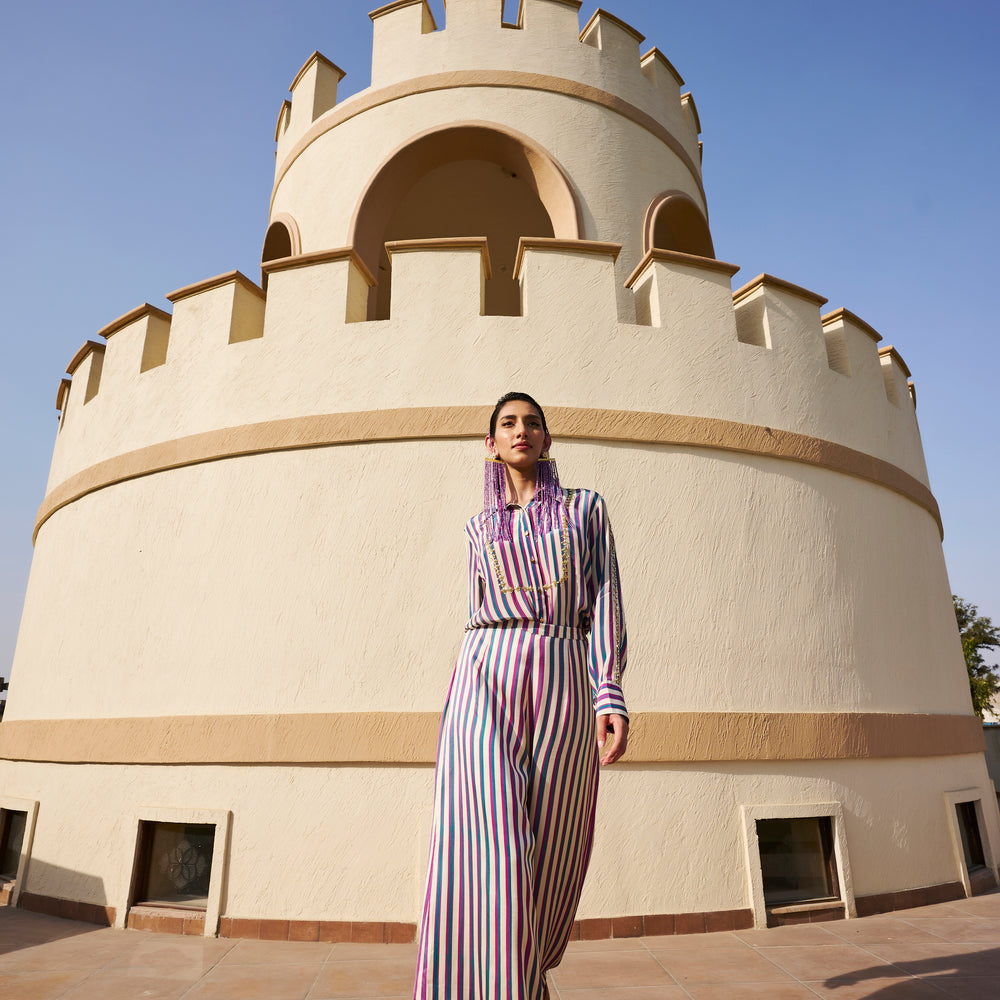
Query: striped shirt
column 566, row 578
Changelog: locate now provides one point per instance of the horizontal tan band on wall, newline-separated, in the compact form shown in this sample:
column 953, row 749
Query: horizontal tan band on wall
column 450, row 422
column 411, row 738
column 470, row 78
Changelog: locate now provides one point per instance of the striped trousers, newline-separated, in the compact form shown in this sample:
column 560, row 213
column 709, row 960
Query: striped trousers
column 515, row 793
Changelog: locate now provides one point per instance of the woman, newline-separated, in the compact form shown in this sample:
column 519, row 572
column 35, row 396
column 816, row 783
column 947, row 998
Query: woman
column 536, row 685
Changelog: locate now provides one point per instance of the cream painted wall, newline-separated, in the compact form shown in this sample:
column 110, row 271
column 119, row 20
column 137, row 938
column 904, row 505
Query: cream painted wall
column 357, row 836
column 332, row 579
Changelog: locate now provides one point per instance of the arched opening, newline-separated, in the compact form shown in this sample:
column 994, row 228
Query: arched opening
column 277, row 242
column 470, row 179
column 280, row 240
column 675, row 222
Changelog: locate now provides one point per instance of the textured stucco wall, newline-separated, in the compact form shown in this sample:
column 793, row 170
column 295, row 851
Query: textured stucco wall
column 349, row 843
column 332, row 579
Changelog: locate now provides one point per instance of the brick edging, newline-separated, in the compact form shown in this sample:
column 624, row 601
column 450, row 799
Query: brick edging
column 657, row 924
column 68, row 909
column 327, row 931
column 389, row 932
column 907, row 899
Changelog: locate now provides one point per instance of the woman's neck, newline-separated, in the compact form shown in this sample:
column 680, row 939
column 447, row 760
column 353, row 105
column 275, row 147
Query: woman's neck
column 521, row 486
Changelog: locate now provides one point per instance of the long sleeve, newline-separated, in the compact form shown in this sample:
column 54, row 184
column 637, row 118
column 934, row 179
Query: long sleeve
column 475, row 580
column 608, row 641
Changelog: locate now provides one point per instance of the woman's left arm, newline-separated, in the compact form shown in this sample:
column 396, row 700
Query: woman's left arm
column 608, row 640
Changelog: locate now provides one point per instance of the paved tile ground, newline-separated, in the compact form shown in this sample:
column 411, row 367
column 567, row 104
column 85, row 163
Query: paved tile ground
column 948, row 950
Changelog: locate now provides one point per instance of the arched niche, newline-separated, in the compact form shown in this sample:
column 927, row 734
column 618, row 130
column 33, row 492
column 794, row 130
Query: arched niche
column 465, row 179
column 675, row 222
column 281, row 240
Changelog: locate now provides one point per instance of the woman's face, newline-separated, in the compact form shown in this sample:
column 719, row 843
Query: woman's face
column 520, row 438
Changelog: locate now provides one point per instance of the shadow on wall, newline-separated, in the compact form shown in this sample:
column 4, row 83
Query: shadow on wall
column 69, row 894
column 962, row 974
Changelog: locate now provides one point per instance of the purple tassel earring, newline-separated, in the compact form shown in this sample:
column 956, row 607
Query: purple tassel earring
column 544, row 511
column 495, row 500
column 548, row 495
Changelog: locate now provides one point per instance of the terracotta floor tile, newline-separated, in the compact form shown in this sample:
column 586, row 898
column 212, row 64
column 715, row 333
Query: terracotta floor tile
column 749, row 991
column 37, row 985
column 955, row 908
column 28, row 928
column 720, row 965
column 629, row 993
column 364, row 978
column 249, row 952
column 609, row 970
column 685, row 942
column 149, row 983
column 981, row 906
column 175, row 952
column 353, row 952
column 946, row 958
column 66, row 955
column 256, row 982
column 606, row 944
column 984, row 988
column 799, row 934
column 876, row 989
column 872, row 929
column 818, row 963
column 959, row 928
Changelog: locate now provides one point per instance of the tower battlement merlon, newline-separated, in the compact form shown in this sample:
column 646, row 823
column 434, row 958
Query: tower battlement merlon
column 850, row 341
column 314, row 92
column 654, row 65
column 86, row 366
column 132, row 316
column 441, row 277
column 666, row 282
column 896, row 374
column 61, row 393
column 228, row 308
column 316, row 286
column 554, row 15
column 691, row 113
column 550, row 269
column 607, row 32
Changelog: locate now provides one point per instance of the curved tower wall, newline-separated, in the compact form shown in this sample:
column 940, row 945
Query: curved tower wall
column 248, row 579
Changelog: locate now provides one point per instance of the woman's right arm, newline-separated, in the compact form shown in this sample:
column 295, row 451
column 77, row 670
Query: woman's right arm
column 475, row 580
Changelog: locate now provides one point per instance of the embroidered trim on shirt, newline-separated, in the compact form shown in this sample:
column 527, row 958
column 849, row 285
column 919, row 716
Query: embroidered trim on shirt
column 616, row 667
column 563, row 529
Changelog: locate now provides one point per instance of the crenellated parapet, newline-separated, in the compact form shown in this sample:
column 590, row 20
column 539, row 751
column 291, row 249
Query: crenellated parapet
column 545, row 44
column 229, row 357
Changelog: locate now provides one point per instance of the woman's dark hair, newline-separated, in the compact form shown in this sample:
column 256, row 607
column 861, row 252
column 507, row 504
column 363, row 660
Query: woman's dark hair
column 511, row 397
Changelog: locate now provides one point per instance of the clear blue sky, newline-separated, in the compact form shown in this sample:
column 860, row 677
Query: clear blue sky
column 851, row 148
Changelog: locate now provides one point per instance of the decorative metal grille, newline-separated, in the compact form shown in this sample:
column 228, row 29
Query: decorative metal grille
column 176, row 863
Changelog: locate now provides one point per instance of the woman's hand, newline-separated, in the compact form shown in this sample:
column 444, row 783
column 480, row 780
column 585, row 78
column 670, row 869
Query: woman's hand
column 612, row 737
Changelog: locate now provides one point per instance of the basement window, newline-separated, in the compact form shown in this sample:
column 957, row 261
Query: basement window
column 797, row 860
column 12, row 826
column 174, row 864
column 972, row 841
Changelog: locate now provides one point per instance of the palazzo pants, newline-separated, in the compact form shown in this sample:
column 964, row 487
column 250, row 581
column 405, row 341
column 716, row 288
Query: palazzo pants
column 515, row 794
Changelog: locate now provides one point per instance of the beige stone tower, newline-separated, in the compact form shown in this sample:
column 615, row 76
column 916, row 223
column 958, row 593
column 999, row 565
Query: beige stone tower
column 248, row 581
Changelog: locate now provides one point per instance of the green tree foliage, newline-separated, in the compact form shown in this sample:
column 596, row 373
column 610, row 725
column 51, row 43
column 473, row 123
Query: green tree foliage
column 978, row 633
